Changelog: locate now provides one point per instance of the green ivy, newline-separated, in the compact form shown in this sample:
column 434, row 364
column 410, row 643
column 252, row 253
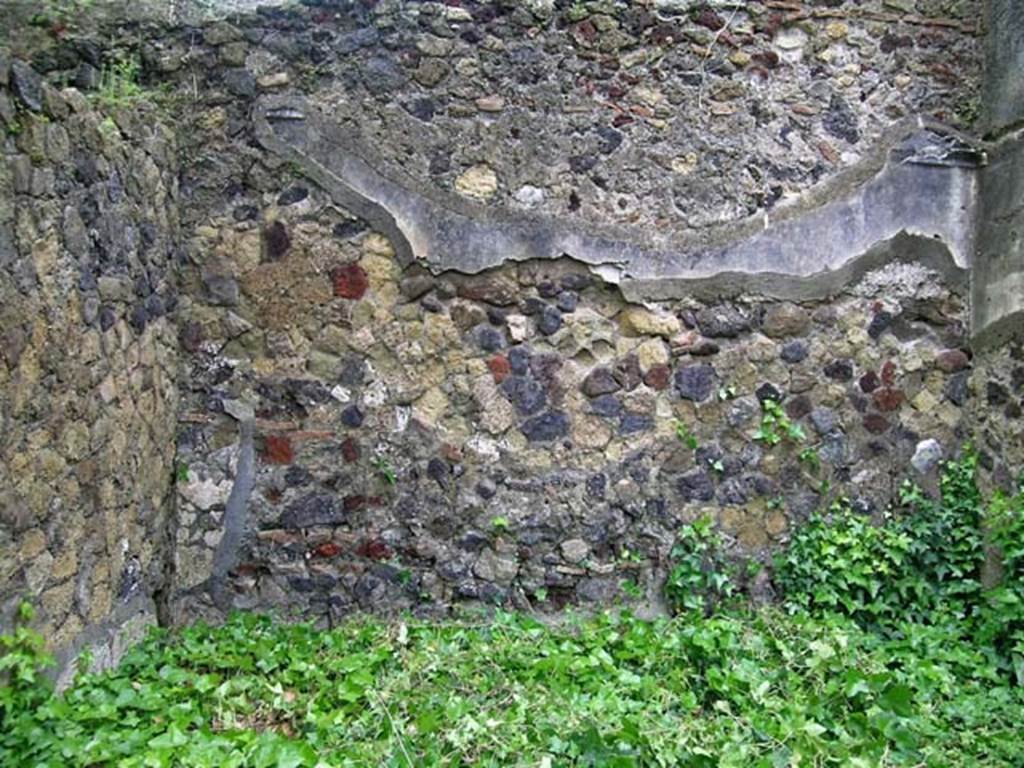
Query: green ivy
column 776, row 425
column 700, row 578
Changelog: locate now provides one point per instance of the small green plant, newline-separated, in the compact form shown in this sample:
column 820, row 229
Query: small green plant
column 686, row 437
column 922, row 565
column 700, row 578
column 499, row 523
column 631, row 589
column 120, row 82
column 728, row 392
column 777, row 426
column 385, row 470
column 23, row 657
column 843, row 563
column 181, row 472
column 809, row 456
column 627, row 555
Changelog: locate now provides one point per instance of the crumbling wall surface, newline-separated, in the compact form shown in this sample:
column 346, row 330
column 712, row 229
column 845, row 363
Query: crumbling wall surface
column 526, row 434
column 482, row 301
column 397, row 406
column 676, row 118
column 87, row 362
column 998, row 274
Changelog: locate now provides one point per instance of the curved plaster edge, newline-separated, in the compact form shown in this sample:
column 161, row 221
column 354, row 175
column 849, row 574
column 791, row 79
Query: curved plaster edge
column 920, row 184
column 226, row 554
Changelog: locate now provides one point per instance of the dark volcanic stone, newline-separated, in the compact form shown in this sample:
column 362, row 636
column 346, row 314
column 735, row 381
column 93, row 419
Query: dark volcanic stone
column 876, row 423
column 138, row 318
column 525, row 393
column 276, row 241
column 440, row 471
column 312, row 509
column 694, row 382
column 627, row 372
column 839, row 370
column 596, row 485
column 957, row 389
column 27, row 85
column 635, row 422
column 794, row 351
column 352, row 416
column 582, row 163
column 567, row 301
column 489, row 339
column 551, row 425
column 879, row 324
column 245, row 213
column 240, row 82
column 599, row 381
column 221, row 290
column 292, row 195
column 722, row 322
column 550, row 320
column 767, row 392
column 107, row 318
column 519, row 360
column 798, row 407
column 606, row 405
column 349, row 228
column 696, row 485
column 996, row 393
column 869, row 382
column 382, row 75
column 841, row 121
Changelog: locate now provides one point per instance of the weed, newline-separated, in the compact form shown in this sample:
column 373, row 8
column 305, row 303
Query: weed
column 385, row 470
column 776, row 425
column 686, row 437
column 699, row 579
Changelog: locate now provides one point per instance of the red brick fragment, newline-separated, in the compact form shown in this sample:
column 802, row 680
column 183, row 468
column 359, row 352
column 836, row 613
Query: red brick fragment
column 500, row 368
column 876, row 423
column 328, row 549
column 658, row 377
column 375, row 549
column 350, row 281
column 277, row 449
column 350, row 451
column 889, row 373
column 952, row 360
column 887, row 399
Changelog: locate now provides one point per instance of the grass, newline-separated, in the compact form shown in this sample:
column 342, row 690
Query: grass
column 742, row 689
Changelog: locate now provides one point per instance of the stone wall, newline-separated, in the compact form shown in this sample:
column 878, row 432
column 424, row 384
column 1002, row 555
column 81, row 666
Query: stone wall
column 422, row 440
column 444, row 325
column 88, row 362
column 482, row 301
column 998, row 272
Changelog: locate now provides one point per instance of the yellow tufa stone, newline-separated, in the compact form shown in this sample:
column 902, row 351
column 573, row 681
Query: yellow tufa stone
column 431, row 407
column 478, row 182
column 837, row 30
column 637, row 321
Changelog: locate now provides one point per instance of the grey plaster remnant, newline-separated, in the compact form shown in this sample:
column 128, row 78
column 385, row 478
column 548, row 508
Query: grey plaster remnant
column 997, row 280
column 234, row 516
column 108, row 640
column 919, row 186
column 1004, row 53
